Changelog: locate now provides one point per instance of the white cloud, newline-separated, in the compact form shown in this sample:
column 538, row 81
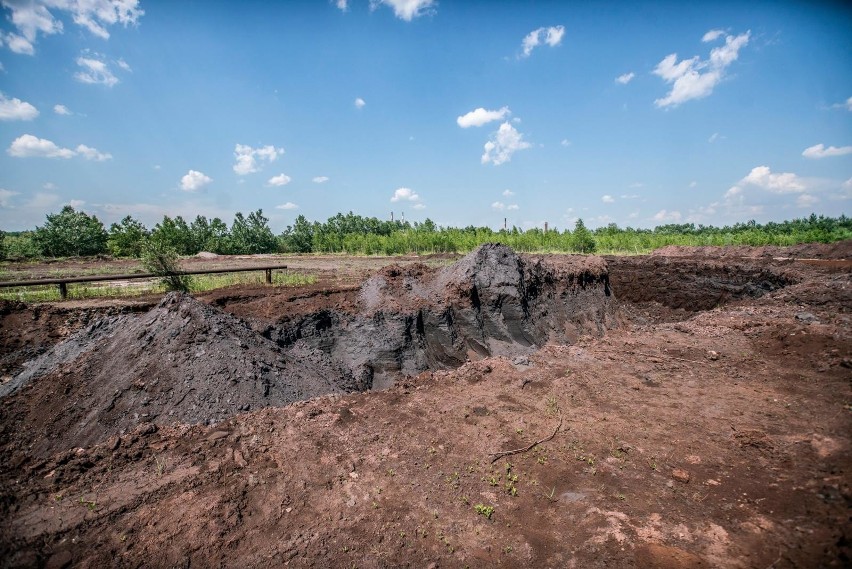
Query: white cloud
column 5, row 196
column 279, row 180
column 76, row 204
column 820, row 151
column 320, row 180
column 405, row 194
column 712, row 35
column 693, row 183
column 342, row 5
column 784, row 183
column 194, row 181
column 847, row 104
column 565, row 142
column 505, row 142
column 33, row 17
column 625, row 78
column 664, row 215
column 847, row 185
column 124, row 65
column 716, row 136
column 360, row 103
column 61, row 110
column 94, row 71
column 92, row 153
column 607, row 199
column 806, row 200
column 629, row 196
column 480, row 116
column 418, row 206
column 16, row 109
column 42, row 200
column 552, row 36
column 508, row 193
column 248, row 157
column 500, row 206
column 407, row 9
column 50, row 186
column 696, row 78
column 288, row 205
column 29, row 146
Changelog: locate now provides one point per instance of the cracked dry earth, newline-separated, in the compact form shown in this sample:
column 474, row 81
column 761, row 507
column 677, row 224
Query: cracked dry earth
column 708, row 427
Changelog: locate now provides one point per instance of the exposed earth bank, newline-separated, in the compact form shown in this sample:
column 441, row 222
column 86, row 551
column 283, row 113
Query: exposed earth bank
column 693, row 412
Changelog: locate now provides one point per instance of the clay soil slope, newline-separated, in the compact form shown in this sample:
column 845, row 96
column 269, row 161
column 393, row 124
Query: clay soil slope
column 696, row 414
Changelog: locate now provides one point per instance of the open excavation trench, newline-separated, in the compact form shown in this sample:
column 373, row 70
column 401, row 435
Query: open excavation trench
column 185, row 361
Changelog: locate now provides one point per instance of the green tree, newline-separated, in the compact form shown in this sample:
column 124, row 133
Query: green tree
column 71, row 233
column 175, row 233
column 582, row 240
column 251, row 235
column 160, row 258
column 2, row 245
column 299, row 238
column 127, row 238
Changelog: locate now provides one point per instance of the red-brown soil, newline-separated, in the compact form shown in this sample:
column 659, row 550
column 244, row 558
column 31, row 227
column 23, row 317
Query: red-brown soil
column 708, row 427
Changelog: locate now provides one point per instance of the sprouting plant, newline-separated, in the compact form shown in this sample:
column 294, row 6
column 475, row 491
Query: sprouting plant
column 161, row 465
column 551, row 405
column 484, row 510
column 91, row 504
column 551, row 495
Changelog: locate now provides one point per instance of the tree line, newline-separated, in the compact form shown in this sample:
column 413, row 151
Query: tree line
column 72, row 233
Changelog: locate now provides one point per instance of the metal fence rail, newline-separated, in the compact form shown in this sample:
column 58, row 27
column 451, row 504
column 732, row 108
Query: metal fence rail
column 64, row 282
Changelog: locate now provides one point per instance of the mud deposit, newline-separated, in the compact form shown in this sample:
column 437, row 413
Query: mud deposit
column 692, row 408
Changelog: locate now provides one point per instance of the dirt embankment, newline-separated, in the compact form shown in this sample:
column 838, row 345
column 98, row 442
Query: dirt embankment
column 187, row 362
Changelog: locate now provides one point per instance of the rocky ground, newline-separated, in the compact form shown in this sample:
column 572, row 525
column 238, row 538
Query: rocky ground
column 694, row 412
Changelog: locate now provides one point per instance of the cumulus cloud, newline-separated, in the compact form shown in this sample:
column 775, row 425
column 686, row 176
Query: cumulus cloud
column 360, row 103
column 407, row 9
column 783, row 183
column 508, row 193
column 625, row 78
column 405, row 194
column 481, row 116
column 607, row 199
column 288, row 205
column 665, row 215
column 16, row 110
column 194, row 181
column 418, row 206
column 61, row 110
column 847, row 104
column 31, row 18
column 320, row 180
column 29, row 146
column 712, row 35
column 248, row 157
column 90, row 153
column 820, row 151
column 505, row 142
column 279, row 180
column 696, row 78
column 552, row 36
column 342, row 5
column 716, row 136
column 565, row 142
column 94, row 71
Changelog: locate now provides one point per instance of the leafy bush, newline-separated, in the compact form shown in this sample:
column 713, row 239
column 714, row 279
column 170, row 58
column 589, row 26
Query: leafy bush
column 161, row 259
column 127, row 238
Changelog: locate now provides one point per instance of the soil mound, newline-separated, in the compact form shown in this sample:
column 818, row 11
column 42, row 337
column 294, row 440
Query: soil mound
column 183, row 361
column 491, row 302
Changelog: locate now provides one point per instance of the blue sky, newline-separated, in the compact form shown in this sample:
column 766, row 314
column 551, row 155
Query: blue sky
column 465, row 112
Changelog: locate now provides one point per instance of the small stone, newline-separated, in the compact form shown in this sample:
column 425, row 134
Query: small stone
column 712, row 355
column 806, row 317
column 680, row 475
column 239, row 459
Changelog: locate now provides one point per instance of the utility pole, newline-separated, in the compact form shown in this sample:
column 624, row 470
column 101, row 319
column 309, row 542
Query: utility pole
column 545, row 227
column 504, row 224
column 391, row 217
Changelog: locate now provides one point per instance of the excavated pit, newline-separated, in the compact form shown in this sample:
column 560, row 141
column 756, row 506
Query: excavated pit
column 188, row 362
